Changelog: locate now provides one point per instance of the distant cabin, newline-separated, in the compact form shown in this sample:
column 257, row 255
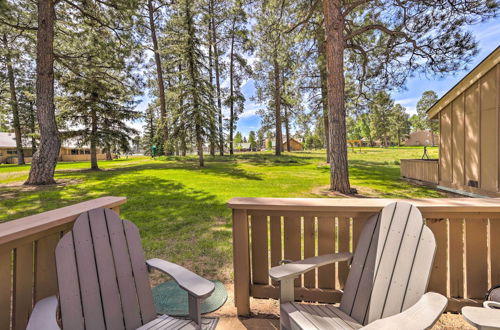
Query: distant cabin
column 295, row 145
column 422, row 138
column 243, row 146
column 71, row 151
column 469, row 118
column 8, row 151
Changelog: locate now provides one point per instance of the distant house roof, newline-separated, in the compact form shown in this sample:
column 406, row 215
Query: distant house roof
column 273, row 141
column 7, row 140
column 474, row 75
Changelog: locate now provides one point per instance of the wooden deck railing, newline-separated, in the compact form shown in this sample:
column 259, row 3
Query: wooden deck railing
column 420, row 169
column 27, row 265
column 266, row 230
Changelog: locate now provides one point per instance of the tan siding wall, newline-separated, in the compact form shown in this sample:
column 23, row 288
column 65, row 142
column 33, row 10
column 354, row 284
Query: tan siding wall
column 489, row 131
column 458, row 137
column 445, row 159
column 472, row 134
column 470, row 139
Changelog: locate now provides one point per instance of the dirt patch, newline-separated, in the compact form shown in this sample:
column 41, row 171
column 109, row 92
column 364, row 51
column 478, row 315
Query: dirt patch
column 11, row 190
column 362, row 192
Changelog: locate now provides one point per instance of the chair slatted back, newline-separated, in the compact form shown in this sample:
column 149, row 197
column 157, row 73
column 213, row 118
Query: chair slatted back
column 391, row 266
column 102, row 275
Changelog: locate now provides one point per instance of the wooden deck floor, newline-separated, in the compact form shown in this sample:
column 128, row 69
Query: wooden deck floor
column 266, row 316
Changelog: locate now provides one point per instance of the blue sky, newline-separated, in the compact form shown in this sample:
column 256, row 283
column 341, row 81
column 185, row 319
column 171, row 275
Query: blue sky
column 487, row 34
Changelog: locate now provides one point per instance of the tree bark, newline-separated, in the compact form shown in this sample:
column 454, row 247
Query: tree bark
column 217, row 79
column 287, row 130
column 213, row 133
column 334, row 26
column 93, row 137
column 109, row 156
column 324, row 90
column 159, row 74
column 277, row 105
column 231, row 92
column 32, row 128
column 45, row 159
column 13, row 102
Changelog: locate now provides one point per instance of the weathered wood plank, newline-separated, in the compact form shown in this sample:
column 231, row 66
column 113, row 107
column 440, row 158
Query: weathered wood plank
column 326, row 245
column 292, row 243
column 276, row 250
column 260, row 256
column 23, row 285
column 495, row 250
column 5, row 288
column 69, row 287
column 439, row 276
column 344, row 237
column 87, row 274
column 34, row 224
column 241, row 262
column 110, row 294
column 309, row 249
column 45, row 266
column 476, row 257
column 124, row 273
column 457, row 254
column 138, row 261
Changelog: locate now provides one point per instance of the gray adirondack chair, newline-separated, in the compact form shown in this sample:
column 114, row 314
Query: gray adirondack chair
column 103, row 281
column 386, row 285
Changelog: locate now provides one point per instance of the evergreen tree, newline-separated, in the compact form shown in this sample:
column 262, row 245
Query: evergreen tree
column 252, row 140
column 428, row 99
column 399, row 123
column 381, row 114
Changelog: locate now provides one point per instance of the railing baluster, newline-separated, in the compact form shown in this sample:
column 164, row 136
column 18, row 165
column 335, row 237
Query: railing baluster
column 309, row 249
column 45, row 267
column 344, row 236
column 260, row 265
column 476, row 257
column 5, row 287
column 457, row 255
column 292, row 240
column 326, row 244
column 23, row 287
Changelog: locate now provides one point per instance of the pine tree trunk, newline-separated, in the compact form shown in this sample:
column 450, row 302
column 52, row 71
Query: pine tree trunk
column 287, row 131
column 108, row 152
column 324, row 90
column 334, row 27
column 45, row 159
column 213, row 133
column 277, row 105
column 13, row 103
column 159, row 74
column 231, row 93
column 217, row 79
column 33, row 129
column 93, row 138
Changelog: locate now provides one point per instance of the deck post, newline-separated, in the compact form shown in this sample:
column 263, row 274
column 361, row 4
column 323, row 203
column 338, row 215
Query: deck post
column 241, row 261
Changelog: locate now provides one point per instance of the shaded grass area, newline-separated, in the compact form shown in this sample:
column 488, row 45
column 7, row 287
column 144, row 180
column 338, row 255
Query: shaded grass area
column 180, row 208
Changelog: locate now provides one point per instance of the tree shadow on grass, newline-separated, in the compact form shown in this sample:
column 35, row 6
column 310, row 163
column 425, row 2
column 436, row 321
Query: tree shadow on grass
column 177, row 223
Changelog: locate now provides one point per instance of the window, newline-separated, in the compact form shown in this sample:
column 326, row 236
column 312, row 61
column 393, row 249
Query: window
column 74, row 151
column 87, row 151
column 11, row 152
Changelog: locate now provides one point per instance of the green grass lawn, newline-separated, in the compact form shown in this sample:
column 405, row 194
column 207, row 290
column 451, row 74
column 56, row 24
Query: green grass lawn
column 181, row 209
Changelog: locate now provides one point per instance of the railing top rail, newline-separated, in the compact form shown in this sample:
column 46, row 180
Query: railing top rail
column 23, row 227
column 454, row 205
column 435, row 160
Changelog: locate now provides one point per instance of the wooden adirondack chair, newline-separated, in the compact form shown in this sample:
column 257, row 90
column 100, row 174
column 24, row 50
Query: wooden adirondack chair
column 386, row 285
column 103, row 280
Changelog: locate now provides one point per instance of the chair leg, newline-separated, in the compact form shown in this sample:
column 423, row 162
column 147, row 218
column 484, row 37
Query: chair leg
column 195, row 309
column 287, row 293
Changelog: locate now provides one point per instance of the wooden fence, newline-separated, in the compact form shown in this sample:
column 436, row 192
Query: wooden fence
column 27, row 264
column 267, row 230
column 421, row 170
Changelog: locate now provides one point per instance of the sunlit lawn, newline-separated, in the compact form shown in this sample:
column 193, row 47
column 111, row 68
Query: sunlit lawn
column 181, row 209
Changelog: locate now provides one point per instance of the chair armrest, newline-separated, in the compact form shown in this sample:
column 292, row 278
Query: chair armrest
column 44, row 315
column 296, row 268
column 422, row 315
column 195, row 285
column 491, row 304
